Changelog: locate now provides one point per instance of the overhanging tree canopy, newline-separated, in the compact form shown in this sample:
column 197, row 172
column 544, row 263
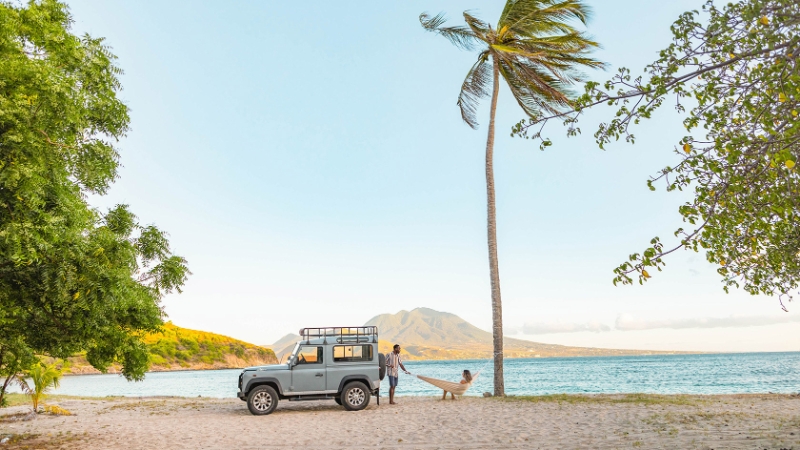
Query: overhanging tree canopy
column 71, row 278
column 734, row 72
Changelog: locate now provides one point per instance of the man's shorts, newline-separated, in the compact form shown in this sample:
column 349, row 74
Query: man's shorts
column 392, row 381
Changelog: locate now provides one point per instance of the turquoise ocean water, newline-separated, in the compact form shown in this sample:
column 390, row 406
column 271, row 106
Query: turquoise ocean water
column 669, row 374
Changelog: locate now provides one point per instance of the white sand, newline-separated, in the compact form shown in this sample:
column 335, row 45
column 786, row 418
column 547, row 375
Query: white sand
column 748, row 422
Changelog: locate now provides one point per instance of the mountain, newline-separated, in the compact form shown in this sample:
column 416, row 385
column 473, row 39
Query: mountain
column 284, row 345
column 424, row 333
column 425, row 326
column 429, row 334
column 177, row 348
column 290, row 338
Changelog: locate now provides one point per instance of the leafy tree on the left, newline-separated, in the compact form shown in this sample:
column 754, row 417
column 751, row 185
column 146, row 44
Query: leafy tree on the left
column 72, row 279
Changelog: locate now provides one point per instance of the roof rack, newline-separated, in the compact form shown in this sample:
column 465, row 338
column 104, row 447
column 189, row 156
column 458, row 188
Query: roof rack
column 357, row 334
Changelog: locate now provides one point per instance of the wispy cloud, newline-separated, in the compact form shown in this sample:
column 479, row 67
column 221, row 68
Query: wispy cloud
column 627, row 322
column 558, row 327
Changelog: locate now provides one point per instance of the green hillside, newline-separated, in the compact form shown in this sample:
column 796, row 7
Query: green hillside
column 179, row 348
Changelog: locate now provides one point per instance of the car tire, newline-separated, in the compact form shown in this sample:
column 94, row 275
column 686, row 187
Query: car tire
column 355, row 396
column 382, row 366
column 262, row 400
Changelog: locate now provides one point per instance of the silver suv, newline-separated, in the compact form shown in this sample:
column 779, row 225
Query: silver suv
column 338, row 363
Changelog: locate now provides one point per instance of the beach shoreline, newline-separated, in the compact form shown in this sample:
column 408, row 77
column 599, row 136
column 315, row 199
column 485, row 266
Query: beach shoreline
column 561, row 421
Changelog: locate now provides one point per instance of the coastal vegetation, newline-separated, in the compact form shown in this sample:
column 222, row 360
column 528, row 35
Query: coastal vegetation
column 535, row 49
column 190, row 348
column 72, row 278
column 733, row 71
column 176, row 348
column 44, row 377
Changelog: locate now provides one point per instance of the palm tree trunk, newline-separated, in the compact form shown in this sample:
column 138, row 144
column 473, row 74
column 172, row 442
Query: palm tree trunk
column 494, row 270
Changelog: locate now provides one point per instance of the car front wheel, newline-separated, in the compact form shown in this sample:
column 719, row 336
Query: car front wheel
column 355, row 396
column 262, row 401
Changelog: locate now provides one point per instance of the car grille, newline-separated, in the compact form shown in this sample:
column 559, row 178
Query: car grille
column 241, row 375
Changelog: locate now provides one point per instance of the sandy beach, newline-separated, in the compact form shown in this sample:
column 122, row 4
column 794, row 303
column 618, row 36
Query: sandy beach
column 575, row 422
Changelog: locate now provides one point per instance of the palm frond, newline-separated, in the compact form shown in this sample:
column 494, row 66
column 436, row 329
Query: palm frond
column 475, row 87
column 537, row 48
column 460, row 36
column 564, row 50
column 534, row 89
column 541, row 17
column 518, row 51
column 20, row 380
column 575, row 41
column 479, row 27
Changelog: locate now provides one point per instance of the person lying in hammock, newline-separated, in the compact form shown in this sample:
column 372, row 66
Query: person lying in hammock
column 466, row 378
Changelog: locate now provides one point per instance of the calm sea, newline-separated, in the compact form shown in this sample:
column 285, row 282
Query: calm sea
column 671, row 374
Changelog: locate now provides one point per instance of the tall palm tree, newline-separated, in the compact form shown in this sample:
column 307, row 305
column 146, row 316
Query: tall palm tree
column 536, row 49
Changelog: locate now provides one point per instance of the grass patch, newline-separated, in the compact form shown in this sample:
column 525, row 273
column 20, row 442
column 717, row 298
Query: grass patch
column 133, row 405
column 32, row 441
column 18, row 438
column 23, row 400
column 15, row 417
column 638, row 399
column 163, row 406
column 17, row 399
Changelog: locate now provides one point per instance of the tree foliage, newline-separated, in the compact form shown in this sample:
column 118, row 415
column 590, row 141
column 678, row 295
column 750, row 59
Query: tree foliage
column 536, row 47
column 733, row 72
column 71, row 278
column 181, row 346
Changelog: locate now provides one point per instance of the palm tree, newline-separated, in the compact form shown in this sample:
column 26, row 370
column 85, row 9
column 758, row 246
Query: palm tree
column 43, row 376
column 536, row 49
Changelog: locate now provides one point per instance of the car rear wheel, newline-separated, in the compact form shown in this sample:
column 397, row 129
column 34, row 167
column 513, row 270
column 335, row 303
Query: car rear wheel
column 355, row 396
column 262, row 400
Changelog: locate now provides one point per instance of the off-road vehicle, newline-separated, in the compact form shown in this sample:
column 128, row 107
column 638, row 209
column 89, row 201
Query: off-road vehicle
column 337, row 363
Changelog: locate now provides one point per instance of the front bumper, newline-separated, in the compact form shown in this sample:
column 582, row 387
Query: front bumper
column 241, row 396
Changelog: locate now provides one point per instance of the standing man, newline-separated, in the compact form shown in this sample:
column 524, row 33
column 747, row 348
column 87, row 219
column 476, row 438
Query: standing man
column 393, row 361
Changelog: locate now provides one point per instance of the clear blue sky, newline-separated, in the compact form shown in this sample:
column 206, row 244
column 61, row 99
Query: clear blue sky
column 309, row 160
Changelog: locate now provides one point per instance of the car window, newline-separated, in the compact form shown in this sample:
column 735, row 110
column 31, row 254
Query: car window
column 347, row 353
column 309, row 355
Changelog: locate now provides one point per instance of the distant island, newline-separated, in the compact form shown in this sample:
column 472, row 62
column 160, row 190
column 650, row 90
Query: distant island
column 434, row 335
column 179, row 348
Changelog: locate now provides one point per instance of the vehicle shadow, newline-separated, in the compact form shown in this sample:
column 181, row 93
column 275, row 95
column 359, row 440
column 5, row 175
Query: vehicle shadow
column 286, row 407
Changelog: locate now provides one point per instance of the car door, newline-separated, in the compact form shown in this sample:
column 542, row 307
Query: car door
column 308, row 373
column 349, row 359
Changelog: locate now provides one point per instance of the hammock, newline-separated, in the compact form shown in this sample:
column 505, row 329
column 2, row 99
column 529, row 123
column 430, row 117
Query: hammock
column 449, row 386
